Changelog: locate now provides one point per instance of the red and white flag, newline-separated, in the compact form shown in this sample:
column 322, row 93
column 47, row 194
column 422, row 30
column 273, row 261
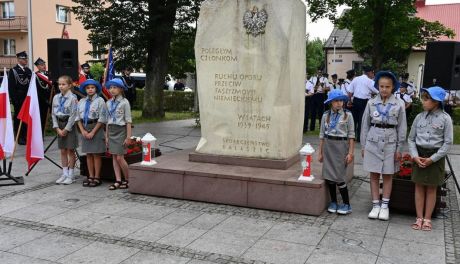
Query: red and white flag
column 6, row 122
column 30, row 115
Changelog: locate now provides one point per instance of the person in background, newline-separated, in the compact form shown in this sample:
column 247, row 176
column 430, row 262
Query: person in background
column 18, row 84
column 450, row 101
column 44, row 87
column 86, row 70
column 405, row 97
column 308, row 94
column 430, row 139
column 335, row 85
column 129, row 83
column 179, row 85
column 320, row 86
column 361, row 89
column 345, row 89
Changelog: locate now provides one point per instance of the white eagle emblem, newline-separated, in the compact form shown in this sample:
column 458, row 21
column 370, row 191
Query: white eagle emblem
column 254, row 21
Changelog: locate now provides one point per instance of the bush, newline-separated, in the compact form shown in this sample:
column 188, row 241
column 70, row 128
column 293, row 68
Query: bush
column 416, row 109
column 97, row 70
column 173, row 101
column 456, row 116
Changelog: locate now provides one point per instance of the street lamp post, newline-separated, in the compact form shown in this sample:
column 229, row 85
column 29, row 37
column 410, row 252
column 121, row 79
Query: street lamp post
column 334, row 39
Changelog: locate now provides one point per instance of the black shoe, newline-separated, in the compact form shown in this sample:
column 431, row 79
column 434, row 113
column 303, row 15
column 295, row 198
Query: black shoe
column 22, row 141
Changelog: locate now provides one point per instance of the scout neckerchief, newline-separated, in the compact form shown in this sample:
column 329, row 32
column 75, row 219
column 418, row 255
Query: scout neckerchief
column 385, row 112
column 62, row 100
column 87, row 107
column 333, row 122
column 113, row 107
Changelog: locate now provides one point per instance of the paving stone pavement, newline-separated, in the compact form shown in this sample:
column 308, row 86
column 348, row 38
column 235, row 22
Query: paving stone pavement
column 41, row 222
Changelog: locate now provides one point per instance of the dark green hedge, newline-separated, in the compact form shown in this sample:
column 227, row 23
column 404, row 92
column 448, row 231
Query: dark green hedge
column 173, row 101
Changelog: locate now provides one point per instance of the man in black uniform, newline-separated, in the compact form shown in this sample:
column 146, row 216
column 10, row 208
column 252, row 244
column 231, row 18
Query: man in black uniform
column 130, row 84
column 85, row 67
column 18, row 85
column 44, row 87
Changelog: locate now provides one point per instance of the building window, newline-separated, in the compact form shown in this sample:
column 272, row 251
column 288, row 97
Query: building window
column 96, row 52
column 9, row 47
column 357, row 66
column 63, row 14
column 8, row 10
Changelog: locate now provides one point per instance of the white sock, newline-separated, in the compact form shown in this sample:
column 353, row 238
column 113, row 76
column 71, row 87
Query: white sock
column 70, row 174
column 385, row 202
column 65, row 171
column 375, row 203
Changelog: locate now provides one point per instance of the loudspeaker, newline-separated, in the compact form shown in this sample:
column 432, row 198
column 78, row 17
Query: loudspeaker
column 63, row 58
column 442, row 65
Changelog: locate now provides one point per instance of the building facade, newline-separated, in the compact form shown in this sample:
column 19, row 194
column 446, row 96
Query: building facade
column 49, row 18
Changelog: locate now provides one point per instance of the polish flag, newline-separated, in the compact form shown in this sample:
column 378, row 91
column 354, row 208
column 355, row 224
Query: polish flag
column 6, row 122
column 30, row 115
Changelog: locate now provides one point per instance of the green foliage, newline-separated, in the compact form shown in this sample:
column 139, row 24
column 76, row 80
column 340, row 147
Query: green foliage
column 97, row 70
column 315, row 55
column 382, row 30
column 416, row 109
column 179, row 101
column 174, row 101
column 456, row 116
column 399, row 68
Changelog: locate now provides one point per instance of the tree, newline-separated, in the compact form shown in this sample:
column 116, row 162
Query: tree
column 315, row 55
column 382, row 29
column 140, row 34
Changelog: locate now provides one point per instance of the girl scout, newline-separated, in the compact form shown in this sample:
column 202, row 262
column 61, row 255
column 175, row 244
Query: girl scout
column 429, row 140
column 337, row 133
column 118, row 132
column 382, row 135
column 92, row 115
column 63, row 115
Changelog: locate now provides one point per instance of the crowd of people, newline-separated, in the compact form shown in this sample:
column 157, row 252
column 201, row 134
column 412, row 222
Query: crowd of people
column 103, row 123
column 379, row 105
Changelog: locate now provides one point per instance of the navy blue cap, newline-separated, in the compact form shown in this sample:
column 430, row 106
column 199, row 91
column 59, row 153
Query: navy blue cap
column 21, row 55
column 390, row 75
column 90, row 82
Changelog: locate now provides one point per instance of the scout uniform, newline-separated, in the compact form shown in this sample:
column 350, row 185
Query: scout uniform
column 336, row 129
column 383, row 131
column 44, row 87
column 64, row 114
column 119, row 114
column 92, row 110
column 18, row 84
column 431, row 136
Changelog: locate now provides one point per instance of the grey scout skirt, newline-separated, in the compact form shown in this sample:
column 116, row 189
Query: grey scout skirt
column 117, row 135
column 379, row 152
column 432, row 175
column 334, row 164
column 70, row 141
column 97, row 143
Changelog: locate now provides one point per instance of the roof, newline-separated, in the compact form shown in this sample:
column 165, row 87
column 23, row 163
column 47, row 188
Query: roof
column 344, row 37
column 446, row 14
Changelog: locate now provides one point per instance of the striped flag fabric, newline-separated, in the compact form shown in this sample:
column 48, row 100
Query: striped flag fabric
column 30, row 115
column 6, row 121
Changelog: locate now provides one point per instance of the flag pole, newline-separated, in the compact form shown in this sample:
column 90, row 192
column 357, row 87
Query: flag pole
column 14, row 149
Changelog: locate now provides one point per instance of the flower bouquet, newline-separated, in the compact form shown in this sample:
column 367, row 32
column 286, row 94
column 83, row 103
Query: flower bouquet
column 405, row 169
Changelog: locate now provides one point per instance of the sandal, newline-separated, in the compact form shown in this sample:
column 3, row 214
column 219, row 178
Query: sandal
column 124, row 185
column 87, row 182
column 418, row 224
column 427, row 225
column 115, row 186
column 95, row 182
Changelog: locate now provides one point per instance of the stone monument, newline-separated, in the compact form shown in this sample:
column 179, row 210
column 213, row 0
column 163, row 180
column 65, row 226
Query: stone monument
column 250, row 58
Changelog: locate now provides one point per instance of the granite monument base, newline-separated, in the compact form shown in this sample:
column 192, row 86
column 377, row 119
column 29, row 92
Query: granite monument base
column 175, row 176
